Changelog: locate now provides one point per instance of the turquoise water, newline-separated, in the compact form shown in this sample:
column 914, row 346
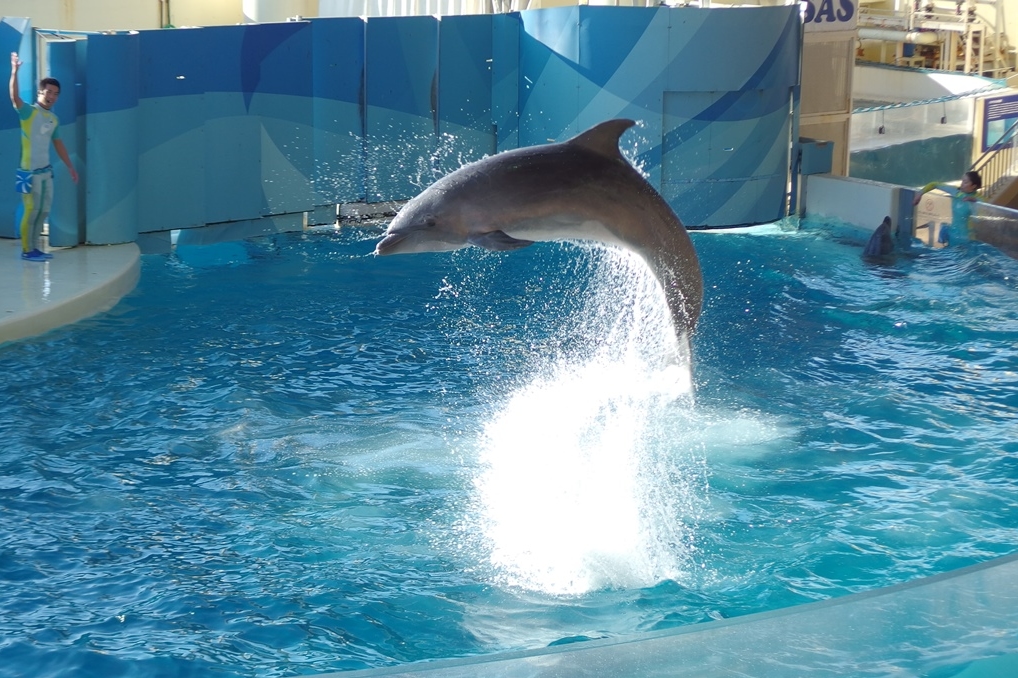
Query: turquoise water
column 287, row 456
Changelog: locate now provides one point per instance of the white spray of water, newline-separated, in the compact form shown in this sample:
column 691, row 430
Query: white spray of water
column 581, row 485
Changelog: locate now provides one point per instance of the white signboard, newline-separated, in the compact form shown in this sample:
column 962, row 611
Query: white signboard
column 933, row 212
column 829, row 15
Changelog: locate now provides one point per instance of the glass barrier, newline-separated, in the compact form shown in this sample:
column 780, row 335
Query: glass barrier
column 899, row 123
column 961, row 621
column 997, row 226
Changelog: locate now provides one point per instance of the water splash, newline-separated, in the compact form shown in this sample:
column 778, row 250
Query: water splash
column 582, row 485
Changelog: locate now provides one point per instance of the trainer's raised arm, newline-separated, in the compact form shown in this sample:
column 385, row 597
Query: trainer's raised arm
column 15, row 65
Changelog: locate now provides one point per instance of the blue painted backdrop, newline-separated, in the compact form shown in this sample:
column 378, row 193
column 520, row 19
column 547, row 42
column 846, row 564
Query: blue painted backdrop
column 261, row 124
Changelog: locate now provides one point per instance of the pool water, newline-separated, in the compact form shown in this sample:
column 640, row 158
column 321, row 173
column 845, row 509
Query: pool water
column 287, row 456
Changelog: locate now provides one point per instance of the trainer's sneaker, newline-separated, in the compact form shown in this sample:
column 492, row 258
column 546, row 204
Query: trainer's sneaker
column 44, row 255
column 34, row 255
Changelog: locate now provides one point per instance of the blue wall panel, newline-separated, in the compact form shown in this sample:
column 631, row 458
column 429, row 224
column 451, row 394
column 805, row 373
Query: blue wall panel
column 236, row 123
column 505, row 80
column 338, row 89
column 258, row 120
column 615, row 50
column 401, row 106
column 549, row 75
column 15, row 36
column 232, row 149
column 171, row 163
column 726, row 125
column 282, row 101
column 732, row 70
column 111, row 203
column 67, row 220
column 465, row 125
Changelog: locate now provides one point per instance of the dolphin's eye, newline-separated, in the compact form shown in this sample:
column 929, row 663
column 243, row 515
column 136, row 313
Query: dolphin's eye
column 429, row 221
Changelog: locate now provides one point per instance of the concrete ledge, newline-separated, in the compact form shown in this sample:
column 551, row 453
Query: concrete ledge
column 855, row 201
column 77, row 283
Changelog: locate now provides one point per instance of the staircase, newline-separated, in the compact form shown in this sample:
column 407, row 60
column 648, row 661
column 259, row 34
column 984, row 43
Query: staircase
column 998, row 168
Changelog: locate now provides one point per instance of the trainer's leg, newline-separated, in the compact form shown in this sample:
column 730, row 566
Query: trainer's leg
column 35, row 207
column 28, row 213
column 45, row 205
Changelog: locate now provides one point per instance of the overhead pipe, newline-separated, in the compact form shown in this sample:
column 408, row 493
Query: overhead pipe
column 913, row 37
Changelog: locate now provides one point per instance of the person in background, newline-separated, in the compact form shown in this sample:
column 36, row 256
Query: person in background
column 963, row 198
column 39, row 128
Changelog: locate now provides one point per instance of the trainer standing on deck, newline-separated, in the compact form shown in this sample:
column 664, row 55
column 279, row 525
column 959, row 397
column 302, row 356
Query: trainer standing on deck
column 35, row 173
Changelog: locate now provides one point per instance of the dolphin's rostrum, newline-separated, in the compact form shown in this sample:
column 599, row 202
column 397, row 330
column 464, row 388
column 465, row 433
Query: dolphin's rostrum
column 580, row 189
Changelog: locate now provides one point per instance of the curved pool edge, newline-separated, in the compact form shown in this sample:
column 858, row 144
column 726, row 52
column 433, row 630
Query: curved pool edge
column 945, row 624
column 77, row 283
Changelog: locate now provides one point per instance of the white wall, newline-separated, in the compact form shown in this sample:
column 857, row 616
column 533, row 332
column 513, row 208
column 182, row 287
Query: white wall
column 858, row 202
column 85, row 15
column 350, row 8
column 115, row 15
column 206, row 12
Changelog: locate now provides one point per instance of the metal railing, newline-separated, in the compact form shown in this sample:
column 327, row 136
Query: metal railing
column 998, row 166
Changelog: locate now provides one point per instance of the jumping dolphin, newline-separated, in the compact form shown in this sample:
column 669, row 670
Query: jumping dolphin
column 580, row 189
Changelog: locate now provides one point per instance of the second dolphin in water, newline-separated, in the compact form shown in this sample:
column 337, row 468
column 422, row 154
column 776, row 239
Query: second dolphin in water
column 580, row 189
column 881, row 244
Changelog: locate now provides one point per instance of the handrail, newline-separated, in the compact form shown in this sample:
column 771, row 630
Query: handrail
column 997, row 164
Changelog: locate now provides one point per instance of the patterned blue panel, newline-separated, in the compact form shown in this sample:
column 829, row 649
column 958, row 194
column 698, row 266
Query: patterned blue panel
column 232, row 148
column 402, row 102
column 111, row 203
column 549, row 80
column 282, row 101
column 171, row 121
column 731, row 141
column 464, row 91
column 727, row 50
column 259, row 115
column 175, row 63
column 729, row 74
column 67, row 222
column 259, row 58
column 617, row 73
column 301, row 114
column 598, row 58
column 505, row 80
column 616, row 47
column 338, row 87
column 15, row 36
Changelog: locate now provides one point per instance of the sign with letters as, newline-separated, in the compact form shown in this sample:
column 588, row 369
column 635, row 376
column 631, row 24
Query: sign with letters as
column 829, row 15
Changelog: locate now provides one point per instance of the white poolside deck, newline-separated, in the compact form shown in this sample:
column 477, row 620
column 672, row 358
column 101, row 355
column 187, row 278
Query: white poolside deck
column 77, row 283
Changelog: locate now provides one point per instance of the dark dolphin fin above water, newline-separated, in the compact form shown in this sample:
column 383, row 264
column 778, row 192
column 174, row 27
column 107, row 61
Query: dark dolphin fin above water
column 579, row 189
column 881, row 244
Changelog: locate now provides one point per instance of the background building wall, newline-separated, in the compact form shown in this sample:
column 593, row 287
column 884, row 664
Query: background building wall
column 87, row 15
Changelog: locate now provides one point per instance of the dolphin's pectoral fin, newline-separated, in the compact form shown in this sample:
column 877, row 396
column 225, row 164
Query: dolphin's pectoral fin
column 498, row 241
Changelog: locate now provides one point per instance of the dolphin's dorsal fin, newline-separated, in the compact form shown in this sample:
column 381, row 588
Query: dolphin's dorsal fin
column 603, row 138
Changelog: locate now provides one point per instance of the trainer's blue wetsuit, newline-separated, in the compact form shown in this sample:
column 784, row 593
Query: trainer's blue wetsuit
column 961, row 211
column 38, row 130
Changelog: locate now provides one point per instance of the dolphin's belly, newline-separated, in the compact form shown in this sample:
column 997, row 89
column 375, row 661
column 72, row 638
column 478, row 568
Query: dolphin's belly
column 562, row 228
